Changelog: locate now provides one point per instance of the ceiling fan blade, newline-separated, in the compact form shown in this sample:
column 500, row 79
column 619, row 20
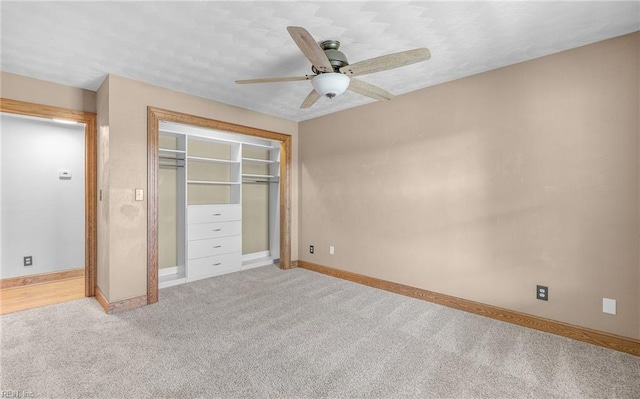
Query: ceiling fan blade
column 311, row 99
column 310, row 48
column 369, row 90
column 386, row 62
column 274, row 80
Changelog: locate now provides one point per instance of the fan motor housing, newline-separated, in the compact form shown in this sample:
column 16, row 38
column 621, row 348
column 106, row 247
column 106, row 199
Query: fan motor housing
column 335, row 56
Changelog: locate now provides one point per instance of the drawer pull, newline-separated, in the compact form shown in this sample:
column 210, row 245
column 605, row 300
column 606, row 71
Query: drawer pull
column 217, row 264
column 217, row 214
column 217, row 229
column 217, row 246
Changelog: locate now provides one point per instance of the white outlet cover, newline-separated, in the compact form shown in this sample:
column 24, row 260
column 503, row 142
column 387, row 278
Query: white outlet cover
column 609, row 305
column 331, row 250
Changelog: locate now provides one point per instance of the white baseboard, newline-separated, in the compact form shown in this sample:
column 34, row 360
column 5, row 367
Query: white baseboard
column 255, row 256
column 167, row 271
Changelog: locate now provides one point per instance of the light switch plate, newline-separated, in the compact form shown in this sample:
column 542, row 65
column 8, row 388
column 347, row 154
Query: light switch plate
column 332, row 250
column 609, row 305
column 139, row 194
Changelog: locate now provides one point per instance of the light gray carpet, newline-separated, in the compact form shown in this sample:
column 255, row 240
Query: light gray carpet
column 268, row 333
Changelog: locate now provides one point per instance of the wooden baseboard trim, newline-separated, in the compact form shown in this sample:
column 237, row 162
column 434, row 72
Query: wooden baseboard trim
column 41, row 278
column 102, row 300
column 606, row 340
column 128, row 304
column 120, row 306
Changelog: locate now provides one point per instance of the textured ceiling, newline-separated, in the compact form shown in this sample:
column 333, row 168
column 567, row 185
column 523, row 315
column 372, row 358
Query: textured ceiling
column 202, row 47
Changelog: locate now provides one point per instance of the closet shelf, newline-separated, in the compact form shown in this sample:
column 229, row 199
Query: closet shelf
column 258, row 176
column 213, row 160
column 261, row 146
column 256, row 160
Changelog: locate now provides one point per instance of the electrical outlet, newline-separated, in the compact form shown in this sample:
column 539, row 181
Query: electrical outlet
column 542, row 292
column 27, row 261
column 332, row 250
column 311, row 249
column 609, row 306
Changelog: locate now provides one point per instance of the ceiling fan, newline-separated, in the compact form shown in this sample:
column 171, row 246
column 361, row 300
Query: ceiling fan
column 332, row 72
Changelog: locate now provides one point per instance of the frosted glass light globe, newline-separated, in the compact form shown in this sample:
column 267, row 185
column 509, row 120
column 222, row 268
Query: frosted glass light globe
column 330, row 84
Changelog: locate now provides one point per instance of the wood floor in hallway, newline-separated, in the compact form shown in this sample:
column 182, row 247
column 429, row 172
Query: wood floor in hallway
column 37, row 295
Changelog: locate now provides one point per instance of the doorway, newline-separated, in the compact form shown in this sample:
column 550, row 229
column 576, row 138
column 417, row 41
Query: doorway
column 48, row 222
column 155, row 117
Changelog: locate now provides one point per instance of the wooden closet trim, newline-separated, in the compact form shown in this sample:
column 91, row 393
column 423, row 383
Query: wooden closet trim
column 154, row 116
column 90, row 134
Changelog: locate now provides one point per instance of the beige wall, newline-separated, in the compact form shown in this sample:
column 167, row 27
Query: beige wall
column 128, row 101
column 37, row 91
column 483, row 187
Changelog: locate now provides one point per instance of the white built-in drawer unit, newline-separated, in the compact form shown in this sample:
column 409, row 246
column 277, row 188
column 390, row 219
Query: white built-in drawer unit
column 213, row 265
column 214, row 246
column 214, row 213
column 214, row 243
column 198, row 231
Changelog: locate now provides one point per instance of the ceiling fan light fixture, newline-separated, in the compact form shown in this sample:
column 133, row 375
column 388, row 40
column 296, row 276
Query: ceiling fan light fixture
column 330, row 84
column 332, row 72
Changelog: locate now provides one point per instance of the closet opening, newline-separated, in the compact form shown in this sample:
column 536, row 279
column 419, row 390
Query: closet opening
column 218, row 199
column 48, row 219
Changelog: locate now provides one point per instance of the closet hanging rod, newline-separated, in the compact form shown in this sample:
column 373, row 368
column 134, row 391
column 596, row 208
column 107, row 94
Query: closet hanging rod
column 172, row 158
column 258, row 182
